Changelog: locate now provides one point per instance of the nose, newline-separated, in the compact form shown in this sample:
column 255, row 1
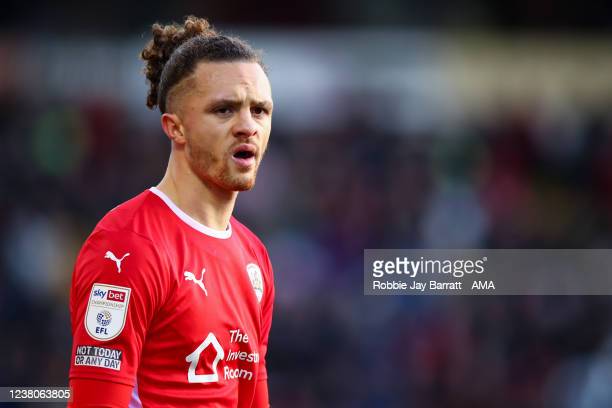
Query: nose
column 245, row 125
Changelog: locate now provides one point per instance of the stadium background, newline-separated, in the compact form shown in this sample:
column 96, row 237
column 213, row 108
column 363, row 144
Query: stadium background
column 445, row 124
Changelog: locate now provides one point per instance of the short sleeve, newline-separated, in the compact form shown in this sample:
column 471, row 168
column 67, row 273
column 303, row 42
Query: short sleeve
column 266, row 315
column 117, row 287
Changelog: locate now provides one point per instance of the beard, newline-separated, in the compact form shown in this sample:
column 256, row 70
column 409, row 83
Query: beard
column 218, row 169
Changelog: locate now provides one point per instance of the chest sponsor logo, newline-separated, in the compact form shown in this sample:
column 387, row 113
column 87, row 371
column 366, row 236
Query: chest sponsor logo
column 256, row 279
column 189, row 276
column 117, row 261
column 106, row 311
column 233, row 356
column 98, row 357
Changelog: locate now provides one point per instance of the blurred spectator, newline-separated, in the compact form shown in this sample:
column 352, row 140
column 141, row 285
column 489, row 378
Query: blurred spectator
column 530, row 175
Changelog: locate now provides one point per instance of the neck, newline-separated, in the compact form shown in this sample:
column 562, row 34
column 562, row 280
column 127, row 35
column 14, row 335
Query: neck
column 200, row 199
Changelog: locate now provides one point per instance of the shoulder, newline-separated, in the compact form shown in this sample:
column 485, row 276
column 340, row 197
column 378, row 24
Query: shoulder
column 130, row 215
column 130, row 228
column 256, row 247
column 142, row 218
column 247, row 236
column 122, row 252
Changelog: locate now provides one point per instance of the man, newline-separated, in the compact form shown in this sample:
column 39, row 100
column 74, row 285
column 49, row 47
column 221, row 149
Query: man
column 171, row 299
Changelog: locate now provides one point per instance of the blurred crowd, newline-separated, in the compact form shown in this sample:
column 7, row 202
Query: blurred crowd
column 507, row 182
column 510, row 181
column 517, row 178
column 115, row 16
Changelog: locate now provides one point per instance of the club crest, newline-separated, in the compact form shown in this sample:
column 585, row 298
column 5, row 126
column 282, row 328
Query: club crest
column 256, row 279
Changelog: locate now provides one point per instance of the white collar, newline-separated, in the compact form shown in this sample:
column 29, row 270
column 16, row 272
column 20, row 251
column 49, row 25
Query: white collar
column 189, row 220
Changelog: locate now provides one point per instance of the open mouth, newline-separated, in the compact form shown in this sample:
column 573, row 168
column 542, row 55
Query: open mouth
column 244, row 154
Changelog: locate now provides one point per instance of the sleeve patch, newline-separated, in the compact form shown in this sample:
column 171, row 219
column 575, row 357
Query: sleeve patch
column 98, row 357
column 106, row 311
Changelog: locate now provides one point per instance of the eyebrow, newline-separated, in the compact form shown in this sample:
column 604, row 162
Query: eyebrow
column 236, row 103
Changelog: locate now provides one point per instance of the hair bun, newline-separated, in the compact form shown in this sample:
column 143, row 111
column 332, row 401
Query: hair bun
column 166, row 39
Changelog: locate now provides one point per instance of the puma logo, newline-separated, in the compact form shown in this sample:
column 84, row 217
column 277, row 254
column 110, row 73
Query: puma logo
column 191, row 277
column 112, row 257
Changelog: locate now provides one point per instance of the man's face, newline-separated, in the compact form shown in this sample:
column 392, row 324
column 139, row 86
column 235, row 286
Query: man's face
column 227, row 117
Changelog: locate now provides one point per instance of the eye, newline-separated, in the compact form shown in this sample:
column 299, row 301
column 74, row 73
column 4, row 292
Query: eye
column 223, row 111
column 259, row 111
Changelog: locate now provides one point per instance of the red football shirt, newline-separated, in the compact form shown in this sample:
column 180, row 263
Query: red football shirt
column 178, row 310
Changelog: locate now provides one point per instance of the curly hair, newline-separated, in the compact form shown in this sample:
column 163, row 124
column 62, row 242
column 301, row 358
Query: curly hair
column 175, row 51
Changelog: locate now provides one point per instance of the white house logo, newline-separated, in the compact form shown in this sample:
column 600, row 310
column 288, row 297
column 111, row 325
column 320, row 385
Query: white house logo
column 104, row 318
column 112, row 257
column 240, row 356
column 256, row 280
column 189, row 276
column 194, row 358
column 106, row 311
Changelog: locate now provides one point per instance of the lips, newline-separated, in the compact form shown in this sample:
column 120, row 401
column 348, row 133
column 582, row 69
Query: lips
column 244, row 155
column 244, row 150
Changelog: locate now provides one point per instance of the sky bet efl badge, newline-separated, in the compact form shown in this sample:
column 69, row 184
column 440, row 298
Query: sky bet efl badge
column 106, row 311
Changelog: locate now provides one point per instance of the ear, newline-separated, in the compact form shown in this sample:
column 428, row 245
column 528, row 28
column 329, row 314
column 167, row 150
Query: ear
column 173, row 127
